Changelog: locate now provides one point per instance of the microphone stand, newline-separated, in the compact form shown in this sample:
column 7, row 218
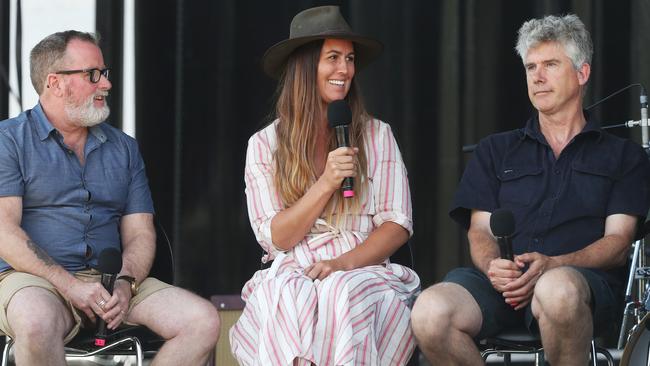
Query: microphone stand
column 636, row 307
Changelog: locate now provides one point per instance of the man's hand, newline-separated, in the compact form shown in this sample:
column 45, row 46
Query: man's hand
column 118, row 306
column 89, row 297
column 322, row 269
column 519, row 292
column 502, row 272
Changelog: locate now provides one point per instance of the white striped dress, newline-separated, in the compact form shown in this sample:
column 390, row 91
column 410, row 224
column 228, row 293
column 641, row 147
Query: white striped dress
column 357, row 317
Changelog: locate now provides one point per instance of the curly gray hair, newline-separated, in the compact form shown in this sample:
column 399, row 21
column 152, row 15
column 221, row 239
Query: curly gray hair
column 48, row 55
column 569, row 31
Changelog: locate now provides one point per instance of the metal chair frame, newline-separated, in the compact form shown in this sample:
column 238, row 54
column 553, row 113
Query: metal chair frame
column 511, row 342
column 636, row 305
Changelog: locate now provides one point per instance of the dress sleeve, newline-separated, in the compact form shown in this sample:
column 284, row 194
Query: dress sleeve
column 388, row 178
column 262, row 198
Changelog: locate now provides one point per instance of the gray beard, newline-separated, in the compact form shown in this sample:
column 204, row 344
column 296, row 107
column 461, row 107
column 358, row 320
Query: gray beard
column 86, row 115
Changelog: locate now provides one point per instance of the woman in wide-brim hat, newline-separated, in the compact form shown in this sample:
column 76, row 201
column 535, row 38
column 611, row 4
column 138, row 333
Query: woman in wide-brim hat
column 331, row 296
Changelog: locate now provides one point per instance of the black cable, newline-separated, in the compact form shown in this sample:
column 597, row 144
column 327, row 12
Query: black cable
column 471, row 148
column 615, row 94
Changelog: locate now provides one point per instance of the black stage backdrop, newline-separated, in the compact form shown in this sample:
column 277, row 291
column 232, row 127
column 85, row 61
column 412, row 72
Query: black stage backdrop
column 448, row 77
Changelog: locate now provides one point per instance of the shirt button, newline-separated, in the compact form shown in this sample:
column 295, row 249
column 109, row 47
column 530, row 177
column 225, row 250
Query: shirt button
column 536, row 241
column 557, row 171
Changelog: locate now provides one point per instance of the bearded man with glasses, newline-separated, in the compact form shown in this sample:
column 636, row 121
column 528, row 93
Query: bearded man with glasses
column 72, row 186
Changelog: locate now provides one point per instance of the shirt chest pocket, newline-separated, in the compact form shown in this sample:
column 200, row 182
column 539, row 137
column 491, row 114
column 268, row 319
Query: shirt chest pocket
column 518, row 185
column 590, row 187
column 111, row 187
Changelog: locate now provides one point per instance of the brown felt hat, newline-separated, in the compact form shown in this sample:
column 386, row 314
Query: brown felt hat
column 314, row 24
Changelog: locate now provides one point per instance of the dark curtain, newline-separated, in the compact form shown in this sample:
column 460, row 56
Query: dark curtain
column 448, row 77
column 4, row 60
column 110, row 24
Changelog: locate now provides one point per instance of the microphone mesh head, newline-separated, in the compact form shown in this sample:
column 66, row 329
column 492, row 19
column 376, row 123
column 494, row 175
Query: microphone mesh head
column 110, row 261
column 502, row 222
column 338, row 113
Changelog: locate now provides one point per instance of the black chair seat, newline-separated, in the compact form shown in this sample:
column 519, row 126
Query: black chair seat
column 84, row 341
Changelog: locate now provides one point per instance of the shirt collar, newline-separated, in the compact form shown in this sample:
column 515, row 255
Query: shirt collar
column 532, row 130
column 98, row 132
column 43, row 125
column 44, row 128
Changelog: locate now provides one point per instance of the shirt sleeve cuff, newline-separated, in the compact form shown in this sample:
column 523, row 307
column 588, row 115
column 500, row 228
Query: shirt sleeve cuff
column 396, row 217
column 8, row 190
column 264, row 237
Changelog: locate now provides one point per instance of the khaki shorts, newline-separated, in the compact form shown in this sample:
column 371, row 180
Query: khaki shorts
column 11, row 282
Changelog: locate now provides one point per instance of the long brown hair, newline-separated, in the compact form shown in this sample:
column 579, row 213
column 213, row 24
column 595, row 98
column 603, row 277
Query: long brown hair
column 299, row 111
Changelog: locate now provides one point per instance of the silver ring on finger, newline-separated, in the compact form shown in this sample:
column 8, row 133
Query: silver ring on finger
column 101, row 303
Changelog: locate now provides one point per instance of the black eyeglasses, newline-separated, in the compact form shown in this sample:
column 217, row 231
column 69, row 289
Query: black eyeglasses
column 93, row 74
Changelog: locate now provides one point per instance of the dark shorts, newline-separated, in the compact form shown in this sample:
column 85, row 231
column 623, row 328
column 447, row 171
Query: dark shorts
column 497, row 315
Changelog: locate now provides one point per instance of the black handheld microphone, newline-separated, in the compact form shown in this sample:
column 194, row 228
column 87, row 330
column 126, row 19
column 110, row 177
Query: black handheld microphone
column 502, row 224
column 110, row 264
column 339, row 117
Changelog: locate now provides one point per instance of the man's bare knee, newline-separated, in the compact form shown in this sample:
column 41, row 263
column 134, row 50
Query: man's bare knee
column 36, row 313
column 173, row 311
column 442, row 307
column 561, row 294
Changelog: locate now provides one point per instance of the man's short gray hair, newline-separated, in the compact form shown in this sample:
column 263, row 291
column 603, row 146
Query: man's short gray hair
column 47, row 56
column 569, row 31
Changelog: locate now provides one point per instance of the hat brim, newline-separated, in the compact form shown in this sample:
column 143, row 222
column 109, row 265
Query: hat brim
column 365, row 51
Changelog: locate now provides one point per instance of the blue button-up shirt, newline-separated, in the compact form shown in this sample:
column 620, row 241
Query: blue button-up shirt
column 560, row 205
column 70, row 210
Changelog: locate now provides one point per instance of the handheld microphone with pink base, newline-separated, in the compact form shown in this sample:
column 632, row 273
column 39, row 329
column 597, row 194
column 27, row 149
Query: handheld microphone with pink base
column 502, row 224
column 110, row 264
column 339, row 117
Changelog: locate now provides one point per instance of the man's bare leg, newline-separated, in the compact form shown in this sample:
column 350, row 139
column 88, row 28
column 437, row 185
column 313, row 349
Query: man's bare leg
column 188, row 322
column 561, row 306
column 445, row 317
column 40, row 320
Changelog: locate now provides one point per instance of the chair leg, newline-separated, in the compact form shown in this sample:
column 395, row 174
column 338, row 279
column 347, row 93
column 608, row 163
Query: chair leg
column 608, row 356
column 5, row 353
column 539, row 358
column 138, row 351
column 594, row 355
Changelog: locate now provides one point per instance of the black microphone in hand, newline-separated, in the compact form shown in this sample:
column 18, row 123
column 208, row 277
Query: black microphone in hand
column 110, row 264
column 339, row 117
column 502, row 224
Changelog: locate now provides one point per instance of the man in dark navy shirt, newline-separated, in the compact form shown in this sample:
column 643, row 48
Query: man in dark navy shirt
column 70, row 187
column 577, row 194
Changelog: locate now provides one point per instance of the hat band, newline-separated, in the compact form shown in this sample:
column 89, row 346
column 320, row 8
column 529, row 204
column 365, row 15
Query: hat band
column 324, row 32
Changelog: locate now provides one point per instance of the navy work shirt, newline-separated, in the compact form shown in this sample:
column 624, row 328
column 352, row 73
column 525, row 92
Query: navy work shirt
column 70, row 210
column 560, row 205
